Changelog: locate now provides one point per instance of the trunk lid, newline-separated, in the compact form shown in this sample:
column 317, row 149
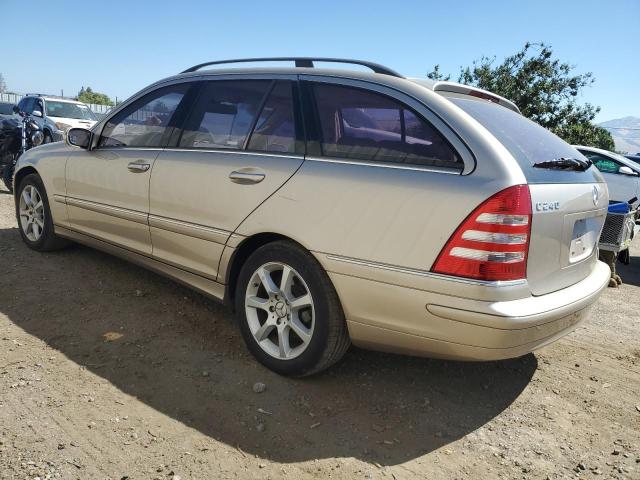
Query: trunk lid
column 565, row 228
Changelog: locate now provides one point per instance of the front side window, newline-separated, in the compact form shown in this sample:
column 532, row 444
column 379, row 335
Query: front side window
column 224, row 114
column 146, row 122
column 275, row 129
column 38, row 105
column 368, row 126
column 602, row 163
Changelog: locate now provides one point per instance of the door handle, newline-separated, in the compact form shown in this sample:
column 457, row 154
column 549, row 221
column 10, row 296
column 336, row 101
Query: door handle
column 246, row 176
column 138, row 167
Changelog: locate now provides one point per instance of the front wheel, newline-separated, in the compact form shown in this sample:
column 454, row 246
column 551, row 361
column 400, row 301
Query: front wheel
column 34, row 216
column 289, row 313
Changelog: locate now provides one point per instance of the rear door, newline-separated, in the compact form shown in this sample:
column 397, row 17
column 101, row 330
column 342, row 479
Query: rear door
column 240, row 142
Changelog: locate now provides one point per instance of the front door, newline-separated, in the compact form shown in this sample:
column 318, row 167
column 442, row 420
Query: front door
column 238, row 146
column 108, row 187
column 622, row 188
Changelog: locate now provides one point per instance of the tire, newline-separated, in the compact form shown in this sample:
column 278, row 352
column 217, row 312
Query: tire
column 305, row 311
column 47, row 137
column 34, row 216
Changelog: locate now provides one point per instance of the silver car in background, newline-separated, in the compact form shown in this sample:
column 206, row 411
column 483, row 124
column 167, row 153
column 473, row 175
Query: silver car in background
column 621, row 174
column 332, row 207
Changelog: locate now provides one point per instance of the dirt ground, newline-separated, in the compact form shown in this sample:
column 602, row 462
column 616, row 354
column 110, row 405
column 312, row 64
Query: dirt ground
column 108, row 371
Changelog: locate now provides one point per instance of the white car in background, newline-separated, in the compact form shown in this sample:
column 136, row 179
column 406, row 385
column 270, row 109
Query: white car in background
column 622, row 175
column 56, row 115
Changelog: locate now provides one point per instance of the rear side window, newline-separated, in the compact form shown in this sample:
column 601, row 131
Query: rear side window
column 224, row 114
column 275, row 130
column 368, row 126
column 145, row 122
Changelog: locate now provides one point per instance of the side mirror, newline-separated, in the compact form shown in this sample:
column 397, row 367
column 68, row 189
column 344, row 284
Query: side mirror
column 16, row 109
column 79, row 137
column 627, row 171
column 37, row 113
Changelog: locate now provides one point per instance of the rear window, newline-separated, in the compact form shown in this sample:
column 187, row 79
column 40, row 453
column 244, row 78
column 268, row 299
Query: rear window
column 527, row 141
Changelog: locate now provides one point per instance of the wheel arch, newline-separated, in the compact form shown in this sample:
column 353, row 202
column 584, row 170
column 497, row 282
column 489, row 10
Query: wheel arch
column 19, row 175
column 243, row 252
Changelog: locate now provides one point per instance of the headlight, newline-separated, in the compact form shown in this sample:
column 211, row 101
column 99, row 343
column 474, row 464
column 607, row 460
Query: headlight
column 62, row 126
column 37, row 138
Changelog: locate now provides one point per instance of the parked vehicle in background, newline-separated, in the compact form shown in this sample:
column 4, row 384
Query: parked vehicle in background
column 6, row 109
column 18, row 133
column 332, row 206
column 622, row 175
column 56, row 115
column 634, row 158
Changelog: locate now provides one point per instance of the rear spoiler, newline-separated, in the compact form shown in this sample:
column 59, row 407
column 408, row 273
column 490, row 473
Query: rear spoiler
column 461, row 89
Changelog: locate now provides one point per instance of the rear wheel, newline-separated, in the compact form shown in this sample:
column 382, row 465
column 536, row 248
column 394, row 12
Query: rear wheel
column 34, row 216
column 289, row 313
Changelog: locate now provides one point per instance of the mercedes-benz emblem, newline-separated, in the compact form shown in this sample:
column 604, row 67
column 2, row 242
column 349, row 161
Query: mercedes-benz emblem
column 281, row 309
column 596, row 195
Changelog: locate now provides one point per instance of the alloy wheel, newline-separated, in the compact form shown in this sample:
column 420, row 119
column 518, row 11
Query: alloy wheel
column 31, row 210
column 279, row 310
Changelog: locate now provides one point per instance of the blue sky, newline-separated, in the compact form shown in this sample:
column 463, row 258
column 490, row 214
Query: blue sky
column 117, row 47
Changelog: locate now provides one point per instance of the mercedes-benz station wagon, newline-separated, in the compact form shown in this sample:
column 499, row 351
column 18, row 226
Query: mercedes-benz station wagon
column 332, row 207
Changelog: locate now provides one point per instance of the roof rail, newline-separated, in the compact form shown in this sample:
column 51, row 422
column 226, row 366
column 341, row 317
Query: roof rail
column 301, row 62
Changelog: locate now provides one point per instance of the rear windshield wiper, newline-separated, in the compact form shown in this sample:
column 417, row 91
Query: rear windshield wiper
column 564, row 163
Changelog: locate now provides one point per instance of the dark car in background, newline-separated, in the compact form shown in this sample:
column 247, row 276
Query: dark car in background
column 6, row 108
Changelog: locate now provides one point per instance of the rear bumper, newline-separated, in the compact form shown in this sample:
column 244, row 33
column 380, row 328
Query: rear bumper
column 399, row 319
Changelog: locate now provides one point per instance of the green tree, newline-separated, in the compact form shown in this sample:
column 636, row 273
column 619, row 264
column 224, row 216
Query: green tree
column 544, row 88
column 87, row 95
column 436, row 74
column 586, row 133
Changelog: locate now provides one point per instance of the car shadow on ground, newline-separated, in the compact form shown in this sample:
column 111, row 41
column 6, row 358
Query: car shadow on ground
column 630, row 274
column 181, row 354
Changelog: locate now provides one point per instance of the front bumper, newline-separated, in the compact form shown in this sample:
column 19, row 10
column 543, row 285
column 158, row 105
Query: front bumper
column 394, row 318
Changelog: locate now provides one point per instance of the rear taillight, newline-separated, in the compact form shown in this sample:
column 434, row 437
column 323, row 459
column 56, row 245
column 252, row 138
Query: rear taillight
column 493, row 242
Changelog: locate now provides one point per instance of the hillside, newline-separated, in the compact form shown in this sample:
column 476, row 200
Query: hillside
column 625, row 132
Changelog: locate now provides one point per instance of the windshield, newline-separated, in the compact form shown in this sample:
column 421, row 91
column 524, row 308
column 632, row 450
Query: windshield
column 69, row 110
column 528, row 142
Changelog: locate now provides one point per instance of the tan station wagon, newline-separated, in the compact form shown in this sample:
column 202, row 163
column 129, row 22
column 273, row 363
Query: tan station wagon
column 331, row 207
